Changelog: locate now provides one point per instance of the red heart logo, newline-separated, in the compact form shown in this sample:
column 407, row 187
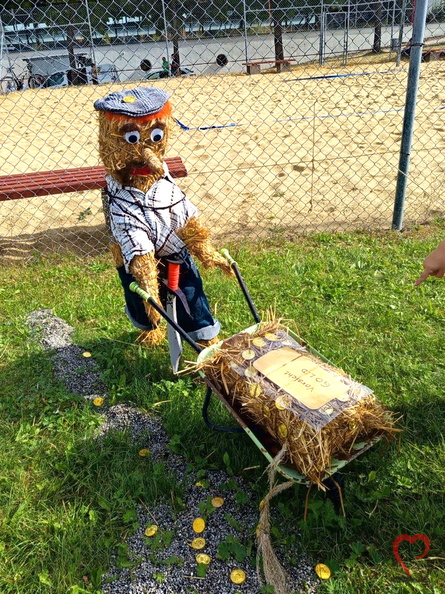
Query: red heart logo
column 410, row 539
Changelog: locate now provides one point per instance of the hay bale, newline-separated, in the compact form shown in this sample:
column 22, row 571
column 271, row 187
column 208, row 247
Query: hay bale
column 316, row 410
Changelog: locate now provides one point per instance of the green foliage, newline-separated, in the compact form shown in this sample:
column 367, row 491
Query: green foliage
column 233, row 548
column 160, row 541
column 349, row 296
column 206, row 508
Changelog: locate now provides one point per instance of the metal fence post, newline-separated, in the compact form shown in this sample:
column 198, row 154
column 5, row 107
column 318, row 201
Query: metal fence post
column 164, row 17
column 246, row 43
column 322, row 34
column 415, row 59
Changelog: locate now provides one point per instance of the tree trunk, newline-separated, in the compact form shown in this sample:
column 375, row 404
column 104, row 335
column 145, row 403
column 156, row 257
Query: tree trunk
column 175, row 60
column 377, row 45
column 277, row 31
column 73, row 77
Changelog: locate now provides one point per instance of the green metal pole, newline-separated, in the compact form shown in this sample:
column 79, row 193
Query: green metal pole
column 415, row 59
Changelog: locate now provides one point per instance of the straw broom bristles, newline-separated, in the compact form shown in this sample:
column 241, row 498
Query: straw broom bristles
column 309, row 450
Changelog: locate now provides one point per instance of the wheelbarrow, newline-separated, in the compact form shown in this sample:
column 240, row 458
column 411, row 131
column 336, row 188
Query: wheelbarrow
column 268, row 446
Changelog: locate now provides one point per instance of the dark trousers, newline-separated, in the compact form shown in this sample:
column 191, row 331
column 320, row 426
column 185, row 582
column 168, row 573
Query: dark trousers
column 199, row 323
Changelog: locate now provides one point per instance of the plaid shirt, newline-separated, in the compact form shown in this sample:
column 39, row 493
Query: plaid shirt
column 143, row 223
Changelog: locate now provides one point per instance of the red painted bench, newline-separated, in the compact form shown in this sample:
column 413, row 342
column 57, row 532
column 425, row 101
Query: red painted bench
column 254, row 67
column 79, row 179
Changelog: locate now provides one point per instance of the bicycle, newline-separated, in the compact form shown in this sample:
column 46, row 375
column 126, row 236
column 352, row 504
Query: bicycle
column 11, row 82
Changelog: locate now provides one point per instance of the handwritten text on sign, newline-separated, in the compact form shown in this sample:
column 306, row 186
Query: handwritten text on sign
column 302, row 377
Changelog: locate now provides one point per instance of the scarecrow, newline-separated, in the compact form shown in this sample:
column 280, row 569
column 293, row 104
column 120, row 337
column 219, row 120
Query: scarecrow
column 152, row 221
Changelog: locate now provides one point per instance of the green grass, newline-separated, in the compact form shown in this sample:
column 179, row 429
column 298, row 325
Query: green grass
column 66, row 504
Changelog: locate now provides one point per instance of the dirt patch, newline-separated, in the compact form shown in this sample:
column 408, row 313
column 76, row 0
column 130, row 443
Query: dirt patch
column 311, row 149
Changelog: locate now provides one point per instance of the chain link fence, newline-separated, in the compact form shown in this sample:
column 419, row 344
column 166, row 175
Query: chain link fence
column 289, row 114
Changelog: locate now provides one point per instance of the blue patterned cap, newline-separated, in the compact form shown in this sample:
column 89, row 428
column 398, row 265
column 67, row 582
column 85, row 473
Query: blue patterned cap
column 136, row 103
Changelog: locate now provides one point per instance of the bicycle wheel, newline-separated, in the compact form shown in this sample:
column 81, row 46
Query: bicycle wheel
column 34, row 81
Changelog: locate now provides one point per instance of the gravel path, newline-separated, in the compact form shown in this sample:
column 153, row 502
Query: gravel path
column 166, row 562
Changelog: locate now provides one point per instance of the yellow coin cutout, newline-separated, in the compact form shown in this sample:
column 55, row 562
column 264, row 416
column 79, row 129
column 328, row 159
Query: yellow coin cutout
column 86, row 354
column 199, row 525
column 255, row 390
column 251, row 372
column 203, row 558
column 198, row 544
column 282, row 402
column 282, row 431
column 328, row 411
column 343, row 398
column 98, row 401
column 323, row 571
column 129, row 99
column 144, row 452
column 151, row 530
column 258, row 341
column 248, row 354
column 199, row 484
column 271, row 337
column 238, row 576
column 217, row 501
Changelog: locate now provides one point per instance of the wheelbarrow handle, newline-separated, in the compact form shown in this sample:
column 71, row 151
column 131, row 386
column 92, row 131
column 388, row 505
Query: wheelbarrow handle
column 242, row 284
column 137, row 289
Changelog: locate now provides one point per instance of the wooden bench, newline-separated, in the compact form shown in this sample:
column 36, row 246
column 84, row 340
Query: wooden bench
column 63, row 181
column 254, row 67
column 433, row 55
column 79, row 179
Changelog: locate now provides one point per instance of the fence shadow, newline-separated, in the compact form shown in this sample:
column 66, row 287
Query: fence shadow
column 78, row 240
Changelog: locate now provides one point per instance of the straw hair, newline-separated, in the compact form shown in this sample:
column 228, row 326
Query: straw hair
column 309, row 451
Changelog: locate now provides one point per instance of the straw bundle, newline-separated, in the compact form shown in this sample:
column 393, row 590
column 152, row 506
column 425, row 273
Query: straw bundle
column 281, row 399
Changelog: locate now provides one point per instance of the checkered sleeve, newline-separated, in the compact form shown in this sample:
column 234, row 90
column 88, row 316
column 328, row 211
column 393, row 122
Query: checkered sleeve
column 129, row 226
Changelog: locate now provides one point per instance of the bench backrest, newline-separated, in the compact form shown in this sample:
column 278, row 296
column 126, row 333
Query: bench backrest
column 79, row 179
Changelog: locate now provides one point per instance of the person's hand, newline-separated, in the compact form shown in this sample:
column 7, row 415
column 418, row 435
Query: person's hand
column 434, row 264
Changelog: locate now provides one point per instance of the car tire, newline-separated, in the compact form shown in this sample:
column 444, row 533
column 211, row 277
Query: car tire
column 145, row 65
column 221, row 60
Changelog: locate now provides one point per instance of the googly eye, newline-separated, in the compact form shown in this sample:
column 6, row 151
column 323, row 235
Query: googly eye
column 132, row 137
column 157, row 135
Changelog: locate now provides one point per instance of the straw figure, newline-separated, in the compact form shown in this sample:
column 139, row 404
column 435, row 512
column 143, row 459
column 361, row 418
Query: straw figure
column 151, row 219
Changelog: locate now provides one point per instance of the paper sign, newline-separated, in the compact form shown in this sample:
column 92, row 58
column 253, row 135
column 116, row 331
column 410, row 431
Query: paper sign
column 302, row 377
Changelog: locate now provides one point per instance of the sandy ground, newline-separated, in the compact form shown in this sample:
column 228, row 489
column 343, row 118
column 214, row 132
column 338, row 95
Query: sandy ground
column 295, row 152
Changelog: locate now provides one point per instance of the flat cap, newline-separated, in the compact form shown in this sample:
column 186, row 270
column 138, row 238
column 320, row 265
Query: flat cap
column 136, row 103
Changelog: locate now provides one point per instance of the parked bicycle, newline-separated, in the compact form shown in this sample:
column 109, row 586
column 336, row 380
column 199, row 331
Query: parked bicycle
column 11, row 82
